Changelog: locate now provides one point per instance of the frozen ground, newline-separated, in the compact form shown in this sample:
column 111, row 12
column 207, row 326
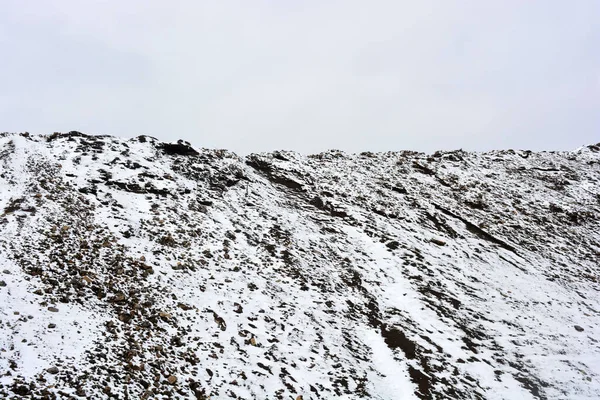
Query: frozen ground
column 139, row 269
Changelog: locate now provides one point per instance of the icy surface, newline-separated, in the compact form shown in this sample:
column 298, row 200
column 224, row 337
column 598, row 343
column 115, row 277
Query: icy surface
column 139, row 269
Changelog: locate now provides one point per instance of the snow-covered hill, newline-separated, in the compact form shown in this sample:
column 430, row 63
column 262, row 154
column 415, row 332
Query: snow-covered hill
column 139, row 269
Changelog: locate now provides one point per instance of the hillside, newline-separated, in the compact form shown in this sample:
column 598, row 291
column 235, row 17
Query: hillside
column 140, row 269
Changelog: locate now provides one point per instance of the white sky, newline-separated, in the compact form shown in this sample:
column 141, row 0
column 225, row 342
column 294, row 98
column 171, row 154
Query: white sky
column 306, row 75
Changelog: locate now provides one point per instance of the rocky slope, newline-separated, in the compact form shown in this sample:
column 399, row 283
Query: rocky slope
column 139, row 269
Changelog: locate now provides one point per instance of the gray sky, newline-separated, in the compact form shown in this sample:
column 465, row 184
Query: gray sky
column 306, row 75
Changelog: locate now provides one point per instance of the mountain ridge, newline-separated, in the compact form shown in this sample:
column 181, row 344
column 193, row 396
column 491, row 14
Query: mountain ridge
column 158, row 270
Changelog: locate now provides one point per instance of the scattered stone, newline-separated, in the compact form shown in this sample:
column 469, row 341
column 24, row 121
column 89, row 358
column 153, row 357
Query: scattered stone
column 172, row 379
column 51, row 325
column 578, row 328
column 52, row 370
column 146, row 324
column 119, row 298
column 393, row 245
column 125, row 317
column 2, row 284
column 178, row 267
column 6, row 272
column 52, row 309
column 20, row 390
column 438, row 242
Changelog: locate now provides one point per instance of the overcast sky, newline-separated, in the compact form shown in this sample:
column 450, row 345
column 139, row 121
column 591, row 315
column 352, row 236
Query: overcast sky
column 306, row 75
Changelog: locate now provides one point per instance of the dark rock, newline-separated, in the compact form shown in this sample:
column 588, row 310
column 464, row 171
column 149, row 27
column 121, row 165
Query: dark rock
column 20, row 390
column 399, row 189
column 395, row 338
column 184, row 306
column 318, row 202
column 578, row 328
column 393, row 245
column 178, row 149
column 423, row 169
column 125, row 317
column 272, row 173
column 52, row 370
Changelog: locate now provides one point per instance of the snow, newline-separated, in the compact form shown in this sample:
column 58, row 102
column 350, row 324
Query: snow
column 325, row 276
column 388, row 380
column 25, row 335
